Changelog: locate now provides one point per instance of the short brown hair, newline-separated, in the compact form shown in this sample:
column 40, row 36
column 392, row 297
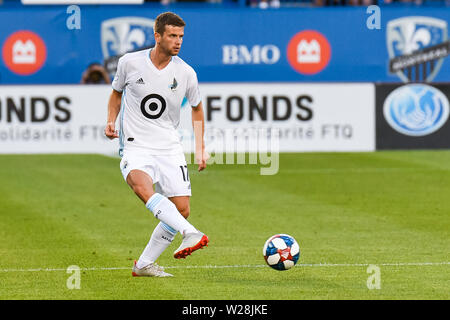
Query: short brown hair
column 167, row 18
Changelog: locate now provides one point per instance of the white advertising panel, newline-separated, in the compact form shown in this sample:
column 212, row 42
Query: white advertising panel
column 54, row 119
column 304, row 117
column 301, row 117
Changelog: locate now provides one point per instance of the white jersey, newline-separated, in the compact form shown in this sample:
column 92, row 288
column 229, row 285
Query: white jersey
column 151, row 102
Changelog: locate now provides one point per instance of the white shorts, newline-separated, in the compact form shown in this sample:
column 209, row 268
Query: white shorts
column 169, row 172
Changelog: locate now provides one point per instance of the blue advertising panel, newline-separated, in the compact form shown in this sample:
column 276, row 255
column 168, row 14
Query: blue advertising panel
column 56, row 44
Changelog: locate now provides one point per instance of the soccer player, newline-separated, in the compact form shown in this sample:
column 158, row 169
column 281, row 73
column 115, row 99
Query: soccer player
column 148, row 89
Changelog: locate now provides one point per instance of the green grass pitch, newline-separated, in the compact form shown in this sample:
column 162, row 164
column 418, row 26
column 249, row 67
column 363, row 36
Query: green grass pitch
column 346, row 210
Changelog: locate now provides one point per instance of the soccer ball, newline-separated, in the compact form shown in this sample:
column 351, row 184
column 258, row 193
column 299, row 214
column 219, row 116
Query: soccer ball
column 281, row 252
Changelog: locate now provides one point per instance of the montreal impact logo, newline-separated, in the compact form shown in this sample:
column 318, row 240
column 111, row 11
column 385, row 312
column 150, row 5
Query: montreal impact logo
column 417, row 47
column 123, row 35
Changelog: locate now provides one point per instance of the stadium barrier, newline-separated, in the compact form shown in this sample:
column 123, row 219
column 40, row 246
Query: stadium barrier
column 304, row 117
column 245, row 117
column 239, row 118
column 55, row 44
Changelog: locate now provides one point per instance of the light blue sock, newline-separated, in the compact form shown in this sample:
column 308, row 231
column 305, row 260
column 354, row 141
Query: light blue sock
column 165, row 211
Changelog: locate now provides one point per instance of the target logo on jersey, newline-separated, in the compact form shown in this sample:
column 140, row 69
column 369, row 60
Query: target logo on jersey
column 153, row 106
column 281, row 252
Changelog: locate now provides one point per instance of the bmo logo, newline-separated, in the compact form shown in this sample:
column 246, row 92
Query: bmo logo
column 241, row 54
column 24, row 52
column 308, row 52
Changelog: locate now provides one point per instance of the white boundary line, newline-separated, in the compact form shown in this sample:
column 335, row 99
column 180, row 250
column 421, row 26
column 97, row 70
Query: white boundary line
column 406, row 264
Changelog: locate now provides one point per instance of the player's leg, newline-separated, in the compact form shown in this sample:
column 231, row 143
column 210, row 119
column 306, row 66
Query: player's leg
column 142, row 185
column 163, row 235
column 197, row 240
column 141, row 176
column 191, row 241
column 182, row 204
column 175, row 182
column 161, row 207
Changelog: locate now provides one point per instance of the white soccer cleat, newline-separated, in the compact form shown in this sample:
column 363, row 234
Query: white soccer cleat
column 191, row 242
column 151, row 270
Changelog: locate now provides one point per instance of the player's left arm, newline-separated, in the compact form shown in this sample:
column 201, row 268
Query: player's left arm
column 198, row 123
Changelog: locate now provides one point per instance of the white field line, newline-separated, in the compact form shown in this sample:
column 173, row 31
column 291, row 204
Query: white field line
column 405, row 264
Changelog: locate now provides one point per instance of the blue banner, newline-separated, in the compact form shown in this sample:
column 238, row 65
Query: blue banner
column 56, row 44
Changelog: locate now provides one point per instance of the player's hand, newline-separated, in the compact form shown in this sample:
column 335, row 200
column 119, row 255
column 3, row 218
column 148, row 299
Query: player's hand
column 110, row 131
column 201, row 158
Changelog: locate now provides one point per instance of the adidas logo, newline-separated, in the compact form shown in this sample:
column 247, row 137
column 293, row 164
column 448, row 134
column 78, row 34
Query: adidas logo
column 140, row 81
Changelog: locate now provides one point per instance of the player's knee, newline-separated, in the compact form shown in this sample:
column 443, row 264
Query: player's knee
column 184, row 210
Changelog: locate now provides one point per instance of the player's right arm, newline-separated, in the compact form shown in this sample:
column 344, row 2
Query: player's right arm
column 114, row 103
column 115, row 100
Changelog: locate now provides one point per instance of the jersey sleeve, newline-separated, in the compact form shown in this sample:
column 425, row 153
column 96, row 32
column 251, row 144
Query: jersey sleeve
column 193, row 92
column 119, row 81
